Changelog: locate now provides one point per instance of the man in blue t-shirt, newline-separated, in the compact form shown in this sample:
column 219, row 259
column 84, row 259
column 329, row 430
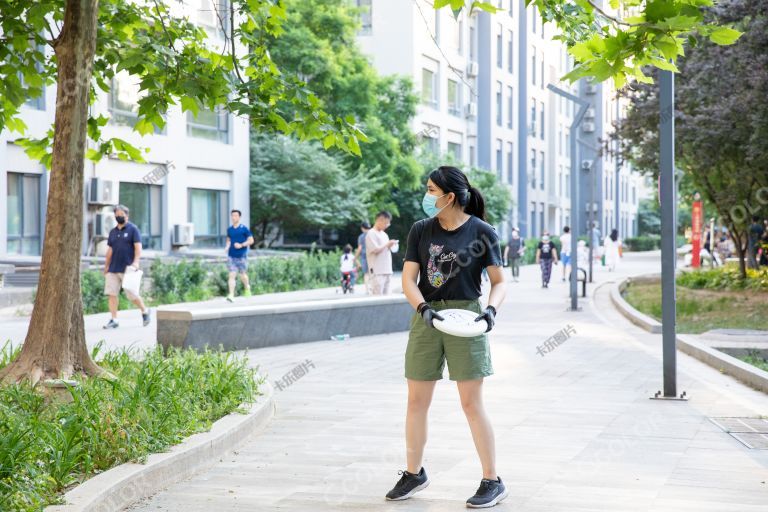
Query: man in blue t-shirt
column 239, row 238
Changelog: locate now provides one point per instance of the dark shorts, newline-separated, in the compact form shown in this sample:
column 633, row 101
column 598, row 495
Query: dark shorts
column 428, row 349
column 237, row 264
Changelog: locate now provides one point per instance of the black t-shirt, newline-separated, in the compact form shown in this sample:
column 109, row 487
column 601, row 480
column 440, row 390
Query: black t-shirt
column 451, row 262
column 546, row 250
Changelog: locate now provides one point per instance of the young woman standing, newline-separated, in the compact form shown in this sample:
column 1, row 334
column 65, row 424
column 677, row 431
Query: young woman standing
column 444, row 260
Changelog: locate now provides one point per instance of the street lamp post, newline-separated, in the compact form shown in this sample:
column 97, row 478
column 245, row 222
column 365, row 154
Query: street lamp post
column 583, row 104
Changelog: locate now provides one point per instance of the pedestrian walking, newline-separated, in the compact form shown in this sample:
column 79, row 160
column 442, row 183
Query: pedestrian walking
column 379, row 249
column 361, row 255
column 444, row 260
column 239, row 238
column 594, row 241
column 565, row 249
column 546, row 255
column 612, row 250
column 513, row 252
column 755, row 234
column 123, row 254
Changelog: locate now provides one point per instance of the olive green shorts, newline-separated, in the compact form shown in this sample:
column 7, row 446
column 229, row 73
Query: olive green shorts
column 428, row 349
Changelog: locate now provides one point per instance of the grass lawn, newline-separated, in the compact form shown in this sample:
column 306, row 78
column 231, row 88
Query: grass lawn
column 756, row 360
column 702, row 310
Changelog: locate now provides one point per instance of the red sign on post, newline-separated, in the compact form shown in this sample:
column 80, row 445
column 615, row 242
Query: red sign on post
column 697, row 220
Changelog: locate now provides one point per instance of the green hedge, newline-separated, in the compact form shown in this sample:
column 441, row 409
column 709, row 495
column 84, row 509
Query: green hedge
column 191, row 280
column 643, row 243
column 47, row 446
column 725, row 278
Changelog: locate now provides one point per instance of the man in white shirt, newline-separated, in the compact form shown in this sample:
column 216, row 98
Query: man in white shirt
column 378, row 248
column 565, row 250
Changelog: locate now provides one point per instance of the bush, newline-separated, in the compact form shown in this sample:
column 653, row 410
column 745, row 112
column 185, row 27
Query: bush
column 179, row 281
column 92, row 290
column 643, row 243
column 725, row 278
column 282, row 274
column 47, row 446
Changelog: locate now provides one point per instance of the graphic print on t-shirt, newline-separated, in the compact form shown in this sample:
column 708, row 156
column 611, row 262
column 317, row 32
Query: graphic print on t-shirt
column 436, row 265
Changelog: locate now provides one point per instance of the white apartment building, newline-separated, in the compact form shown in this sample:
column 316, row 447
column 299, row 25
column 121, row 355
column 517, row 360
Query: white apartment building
column 483, row 84
column 197, row 171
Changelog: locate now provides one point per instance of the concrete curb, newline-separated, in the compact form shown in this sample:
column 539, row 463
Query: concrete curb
column 128, row 483
column 741, row 371
column 630, row 313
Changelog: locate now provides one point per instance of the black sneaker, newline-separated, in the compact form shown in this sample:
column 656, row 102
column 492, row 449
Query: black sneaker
column 145, row 318
column 490, row 493
column 408, row 485
column 112, row 324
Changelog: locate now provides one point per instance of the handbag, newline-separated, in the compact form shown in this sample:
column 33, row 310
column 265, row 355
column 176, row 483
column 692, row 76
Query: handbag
column 132, row 281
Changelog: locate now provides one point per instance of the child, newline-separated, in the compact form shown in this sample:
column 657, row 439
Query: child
column 347, row 267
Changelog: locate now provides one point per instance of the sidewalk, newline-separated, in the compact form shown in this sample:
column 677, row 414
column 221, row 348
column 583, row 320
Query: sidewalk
column 575, row 429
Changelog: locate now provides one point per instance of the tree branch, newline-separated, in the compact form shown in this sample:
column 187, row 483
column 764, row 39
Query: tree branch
column 613, row 18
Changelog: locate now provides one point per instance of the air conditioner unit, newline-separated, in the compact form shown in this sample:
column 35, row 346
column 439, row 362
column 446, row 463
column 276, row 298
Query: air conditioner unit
column 183, row 234
column 101, row 191
column 590, row 89
column 586, row 165
column 103, row 224
column 473, row 68
column 470, row 109
column 590, row 113
column 588, row 127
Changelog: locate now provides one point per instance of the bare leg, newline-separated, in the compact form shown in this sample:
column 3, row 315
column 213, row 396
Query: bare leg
column 231, row 283
column 244, row 279
column 471, row 394
column 140, row 303
column 419, row 398
column 113, row 305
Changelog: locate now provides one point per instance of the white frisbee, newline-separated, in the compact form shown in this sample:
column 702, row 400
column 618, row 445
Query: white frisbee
column 460, row 322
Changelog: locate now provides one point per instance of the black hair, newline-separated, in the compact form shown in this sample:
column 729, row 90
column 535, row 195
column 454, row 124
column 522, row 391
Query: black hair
column 614, row 234
column 451, row 179
column 347, row 249
column 566, row 229
column 238, row 212
column 365, row 224
column 384, row 213
column 121, row 207
column 755, row 218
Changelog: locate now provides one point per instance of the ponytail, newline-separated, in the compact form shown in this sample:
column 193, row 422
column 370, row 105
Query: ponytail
column 451, row 179
column 475, row 204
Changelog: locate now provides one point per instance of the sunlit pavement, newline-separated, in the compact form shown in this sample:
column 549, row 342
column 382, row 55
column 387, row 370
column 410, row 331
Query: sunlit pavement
column 575, row 428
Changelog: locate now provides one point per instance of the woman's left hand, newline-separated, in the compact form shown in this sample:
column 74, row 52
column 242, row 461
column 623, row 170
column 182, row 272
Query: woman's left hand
column 489, row 315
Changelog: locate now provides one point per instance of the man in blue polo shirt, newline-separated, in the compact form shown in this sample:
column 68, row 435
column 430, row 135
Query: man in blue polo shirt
column 239, row 238
column 123, row 251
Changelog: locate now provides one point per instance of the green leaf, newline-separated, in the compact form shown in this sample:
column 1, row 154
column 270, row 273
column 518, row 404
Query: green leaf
column 724, row 35
column 190, row 104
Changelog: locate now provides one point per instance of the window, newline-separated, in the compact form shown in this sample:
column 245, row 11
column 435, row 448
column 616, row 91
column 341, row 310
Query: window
column 213, row 15
column 437, row 25
column 431, row 138
column 472, row 155
column 209, row 124
column 541, row 170
column 456, row 36
column 499, row 106
column 209, row 212
column 532, row 129
column 533, row 19
column 560, row 181
column 23, row 213
column 532, row 171
column 454, row 149
column 499, row 53
column 429, row 88
column 512, row 8
column 510, row 52
column 510, row 162
column 541, row 217
column 454, row 98
column 541, row 110
column 568, row 184
column 633, row 195
column 568, row 140
column 560, row 140
column 510, row 106
column 124, row 99
column 145, row 203
column 533, row 220
column 366, row 16
column 38, row 101
column 541, row 82
column 472, row 41
column 533, row 66
column 499, row 160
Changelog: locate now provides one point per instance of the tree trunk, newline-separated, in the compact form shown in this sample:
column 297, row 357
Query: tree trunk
column 55, row 343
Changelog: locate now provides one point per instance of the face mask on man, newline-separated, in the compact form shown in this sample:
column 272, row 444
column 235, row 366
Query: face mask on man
column 429, row 204
column 120, row 219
